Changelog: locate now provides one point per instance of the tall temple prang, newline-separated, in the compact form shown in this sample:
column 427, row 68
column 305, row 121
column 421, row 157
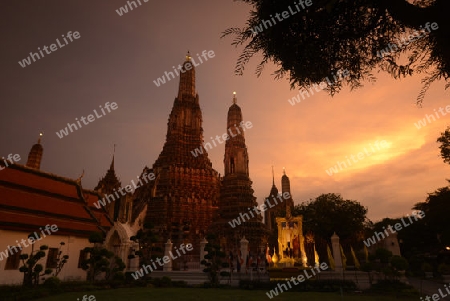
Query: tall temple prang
column 236, row 193
column 182, row 201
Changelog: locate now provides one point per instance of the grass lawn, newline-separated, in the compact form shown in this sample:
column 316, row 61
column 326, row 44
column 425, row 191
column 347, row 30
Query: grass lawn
column 200, row 294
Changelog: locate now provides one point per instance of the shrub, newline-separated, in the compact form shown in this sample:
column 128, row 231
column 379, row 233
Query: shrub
column 214, row 261
column 162, row 282
column 306, row 286
column 399, row 263
column 383, row 255
column 444, row 269
column 118, row 276
column 367, row 267
column 52, row 283
column 30, row 267
column 426, row 267
column 393, row 287
column 180, row 283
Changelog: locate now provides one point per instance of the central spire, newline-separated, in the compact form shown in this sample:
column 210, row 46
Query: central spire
column 182, row 200
column 186, row 90
column 184, row 128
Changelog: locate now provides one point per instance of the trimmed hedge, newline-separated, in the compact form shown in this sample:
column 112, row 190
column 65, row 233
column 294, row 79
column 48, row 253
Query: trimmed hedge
column 393, row 287
column 52, row 286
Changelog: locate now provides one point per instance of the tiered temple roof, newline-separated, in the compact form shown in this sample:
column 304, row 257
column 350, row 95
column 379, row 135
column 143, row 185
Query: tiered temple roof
column 30, row 198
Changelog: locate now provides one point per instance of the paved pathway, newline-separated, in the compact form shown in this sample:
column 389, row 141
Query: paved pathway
column 429, row 287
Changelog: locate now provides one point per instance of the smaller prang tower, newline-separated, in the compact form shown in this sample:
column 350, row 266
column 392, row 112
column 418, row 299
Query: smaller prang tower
column 278, row 208
column 286, row 187
column 236, row 193
column 35, row 155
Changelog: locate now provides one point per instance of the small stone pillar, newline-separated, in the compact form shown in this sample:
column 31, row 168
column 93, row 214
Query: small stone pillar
column 168, row 247
column 244, row 249
column 202, row 250
column 337, row 253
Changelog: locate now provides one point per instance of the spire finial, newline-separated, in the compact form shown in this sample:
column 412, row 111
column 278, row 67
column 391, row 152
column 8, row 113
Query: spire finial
column 284, row 171
column 80, row 177
column 234, row 98
column 112, row 162
column 273, row 177
column 40, row 136
column 186, row 88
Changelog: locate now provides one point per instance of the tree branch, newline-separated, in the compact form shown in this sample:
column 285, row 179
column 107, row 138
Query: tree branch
column 409, row 14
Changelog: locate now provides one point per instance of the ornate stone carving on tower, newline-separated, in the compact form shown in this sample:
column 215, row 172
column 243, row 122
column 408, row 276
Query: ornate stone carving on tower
column 184, row 196
column 236, row 193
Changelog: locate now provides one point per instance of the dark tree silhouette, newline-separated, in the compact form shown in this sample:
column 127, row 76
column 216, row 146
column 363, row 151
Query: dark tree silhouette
column 30, row 268
column 330, row 213
column 214, row 261
column 444, row 140
column 61, row 260
column 101, row 260
column 315, row 42
column 146, row 238
column 437, row 211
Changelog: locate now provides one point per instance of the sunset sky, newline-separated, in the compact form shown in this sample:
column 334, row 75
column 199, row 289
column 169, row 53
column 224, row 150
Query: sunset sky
column 117, row 58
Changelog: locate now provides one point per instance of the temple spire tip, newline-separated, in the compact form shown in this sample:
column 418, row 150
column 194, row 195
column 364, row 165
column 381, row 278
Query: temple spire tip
column 273, row 177
column 112, row 162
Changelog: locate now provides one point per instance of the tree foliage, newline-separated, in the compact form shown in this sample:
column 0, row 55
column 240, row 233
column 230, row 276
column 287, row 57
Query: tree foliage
column 414, row 239
column 383, row 255
column 437, row 212
column 330, row 213
column 444, row 146
column 399, row 263
column 331, row 35
column 115, row 269
column 31, row 269
column 146, row 238
column 97, row 263
column 100, row 260
column 214, row 261
column 61, row 260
